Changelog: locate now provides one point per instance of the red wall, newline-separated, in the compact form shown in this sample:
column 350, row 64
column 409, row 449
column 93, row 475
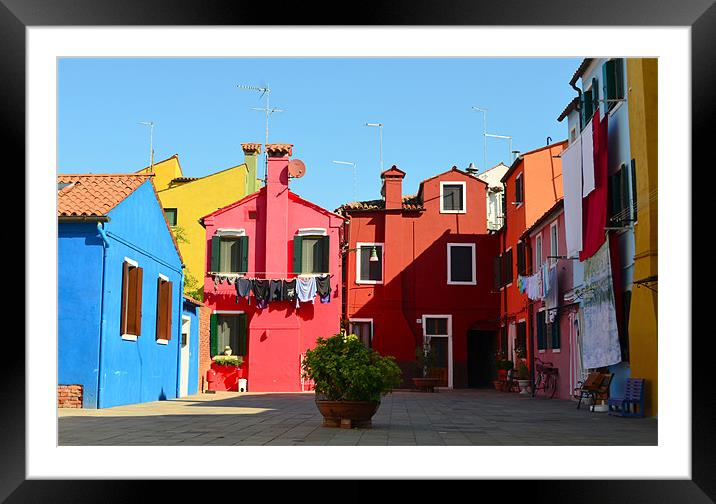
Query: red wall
column 280, row 333
column 415, row 273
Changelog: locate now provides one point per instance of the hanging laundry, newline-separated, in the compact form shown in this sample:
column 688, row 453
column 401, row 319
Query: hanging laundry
column 588, row 137
column 521, row 285
column 600, row 336
column 594, row 206
column 243, row 289
column 261, row 292
column 323, row 288
column 276, row 291
column 572, row 186
column 306, row 290
column 288, row 291
column 552, row 300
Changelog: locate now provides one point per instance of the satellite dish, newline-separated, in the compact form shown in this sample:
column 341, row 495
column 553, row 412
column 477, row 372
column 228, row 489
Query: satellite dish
column 296, row 168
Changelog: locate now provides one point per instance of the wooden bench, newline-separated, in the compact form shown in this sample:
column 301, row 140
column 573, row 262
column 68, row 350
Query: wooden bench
column 631, row 404
column 595, row 387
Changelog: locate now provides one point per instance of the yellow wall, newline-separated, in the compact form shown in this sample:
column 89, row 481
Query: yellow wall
column 642, row 100
column 164, row 172
column 196, row 199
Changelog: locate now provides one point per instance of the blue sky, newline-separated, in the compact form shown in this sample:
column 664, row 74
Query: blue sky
column 200, row 114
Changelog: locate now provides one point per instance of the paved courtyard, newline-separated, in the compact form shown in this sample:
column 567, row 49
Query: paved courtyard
column 458, row 417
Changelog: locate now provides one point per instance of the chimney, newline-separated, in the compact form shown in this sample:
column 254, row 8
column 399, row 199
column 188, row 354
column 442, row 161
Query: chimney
column 251, row 153
column 277, row 208
column 393, row 188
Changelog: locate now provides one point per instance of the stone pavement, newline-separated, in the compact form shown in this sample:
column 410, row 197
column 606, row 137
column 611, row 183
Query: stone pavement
column 447, row 417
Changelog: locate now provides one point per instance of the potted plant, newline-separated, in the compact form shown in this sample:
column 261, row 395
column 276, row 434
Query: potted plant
column 503, row 367
column 349, row 380
column 424, row 361
column 227, row 371
column 523, row 377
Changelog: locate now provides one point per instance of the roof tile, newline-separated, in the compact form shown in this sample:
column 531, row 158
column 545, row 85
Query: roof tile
column 95, row 194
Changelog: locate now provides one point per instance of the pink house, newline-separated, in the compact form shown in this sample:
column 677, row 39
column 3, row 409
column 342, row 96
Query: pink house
column 555, row 322
column 271, row 235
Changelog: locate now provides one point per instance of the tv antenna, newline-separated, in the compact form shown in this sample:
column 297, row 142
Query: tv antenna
column 355, row 185
column 265, row 91
column 151, row 143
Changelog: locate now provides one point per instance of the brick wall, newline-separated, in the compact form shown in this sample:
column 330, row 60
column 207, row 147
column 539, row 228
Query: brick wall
column 69, row 396
column 204, row 345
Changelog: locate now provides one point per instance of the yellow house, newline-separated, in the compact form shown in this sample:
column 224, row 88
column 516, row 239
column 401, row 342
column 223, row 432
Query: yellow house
column 643, row 113
column 186, row 199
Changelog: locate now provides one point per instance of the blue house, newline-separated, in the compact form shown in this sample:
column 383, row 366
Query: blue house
column 121, row 312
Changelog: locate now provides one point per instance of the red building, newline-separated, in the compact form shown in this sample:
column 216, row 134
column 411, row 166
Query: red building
column 533, row 184
column 272, row 234
column 431, row 275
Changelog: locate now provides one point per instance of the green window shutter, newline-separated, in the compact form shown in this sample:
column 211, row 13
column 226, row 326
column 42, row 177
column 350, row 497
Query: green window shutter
column 606, row 67
column 214, row 329
column 297, row 246
column 619, row 73
column 555, row 333
column 243, row 334
column 540, row 330
column 325, row 253
column 595, row 95
column 215, row 252
column 634, row 207
column 244, row 255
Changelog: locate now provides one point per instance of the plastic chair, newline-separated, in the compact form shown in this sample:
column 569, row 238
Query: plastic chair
column 632, row 403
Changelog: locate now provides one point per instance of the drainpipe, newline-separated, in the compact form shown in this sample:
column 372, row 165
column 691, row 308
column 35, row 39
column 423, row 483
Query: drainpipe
column 105, row 246
column 579, row 105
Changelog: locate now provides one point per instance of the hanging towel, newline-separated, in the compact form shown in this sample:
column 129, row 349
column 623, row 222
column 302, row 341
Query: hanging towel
column 594, row 206
column 323, row 288
column 288, row 291
column 600, row 337
column 306, row 290
column 588, row 156
column 552, row 299
column 276, row 291
column 243, row 289
column 572, row 185
column 261, row 292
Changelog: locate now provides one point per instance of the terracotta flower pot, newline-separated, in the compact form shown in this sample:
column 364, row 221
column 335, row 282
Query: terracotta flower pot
column 347, row 414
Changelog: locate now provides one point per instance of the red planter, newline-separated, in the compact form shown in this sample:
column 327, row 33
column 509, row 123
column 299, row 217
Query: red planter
column 227, row 377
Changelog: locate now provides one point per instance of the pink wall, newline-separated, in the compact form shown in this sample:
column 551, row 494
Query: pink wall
column 279, row 333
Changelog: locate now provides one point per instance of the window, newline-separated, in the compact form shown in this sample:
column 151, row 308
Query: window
column 228, row 329
column 590, row 102
column 553, row 245
column 436, row 326
column 538, row 252
column 521, row 341
column 521, row 263
column 613, row 82
column 497, row 272
column 310, row 254
column 541, row 329
column 229, row 253
column 519, row 192
column 547, row 333
column 461, row 263
column 503, row 340
column 621, row 197
column 553, row 332
column 364, row 330
column 171, row 215
column 368, row 271
column 164, row 309
column 131, row 316
column 507, row 266
column 452, row 197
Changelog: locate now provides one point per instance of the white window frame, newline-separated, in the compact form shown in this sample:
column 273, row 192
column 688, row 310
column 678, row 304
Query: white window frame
column 554, row 251
column 464, row 197
column 448, row 336
column 474, row 273
column 520, row 176
column 127, row 336
column 230, row 232
column 372, row 334
column 359, row 245
column 538, row 251
column 311, row 232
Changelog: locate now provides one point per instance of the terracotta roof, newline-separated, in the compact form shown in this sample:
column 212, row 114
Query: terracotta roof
column 572, row 106
column 279, row 149
column 251, row 148
column 411, row 202
column 580, row 70
column 193, row 301
column 95, row 194
column 184, row 179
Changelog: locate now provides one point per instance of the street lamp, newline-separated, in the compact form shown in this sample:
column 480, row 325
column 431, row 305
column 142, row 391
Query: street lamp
column 349, row 163
column 373, row 253
column 380, row 128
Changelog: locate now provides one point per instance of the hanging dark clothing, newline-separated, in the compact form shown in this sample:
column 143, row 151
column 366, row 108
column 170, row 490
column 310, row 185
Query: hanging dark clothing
column 323, row 285
column 243, row 289
column 288, row 291
column 276, row 291
column 261, row 292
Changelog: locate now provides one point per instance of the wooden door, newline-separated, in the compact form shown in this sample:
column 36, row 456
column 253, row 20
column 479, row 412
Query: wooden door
column 439, row 348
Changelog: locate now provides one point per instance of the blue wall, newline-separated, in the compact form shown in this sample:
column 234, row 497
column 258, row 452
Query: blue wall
column 79, row 294
column 129, row 371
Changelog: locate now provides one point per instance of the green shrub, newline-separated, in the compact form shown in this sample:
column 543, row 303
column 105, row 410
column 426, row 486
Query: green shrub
column 343, row 369
column 505, row 364
column 523, row 372
column 228, row 360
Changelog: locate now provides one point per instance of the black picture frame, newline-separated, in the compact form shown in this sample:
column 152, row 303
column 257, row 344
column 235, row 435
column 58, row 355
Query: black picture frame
column 700, row 15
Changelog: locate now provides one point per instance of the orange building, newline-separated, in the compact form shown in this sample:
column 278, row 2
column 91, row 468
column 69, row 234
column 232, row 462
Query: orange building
column 533, row 184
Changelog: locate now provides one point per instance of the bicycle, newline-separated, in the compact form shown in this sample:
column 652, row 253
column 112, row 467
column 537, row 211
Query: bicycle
column 546, row 379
